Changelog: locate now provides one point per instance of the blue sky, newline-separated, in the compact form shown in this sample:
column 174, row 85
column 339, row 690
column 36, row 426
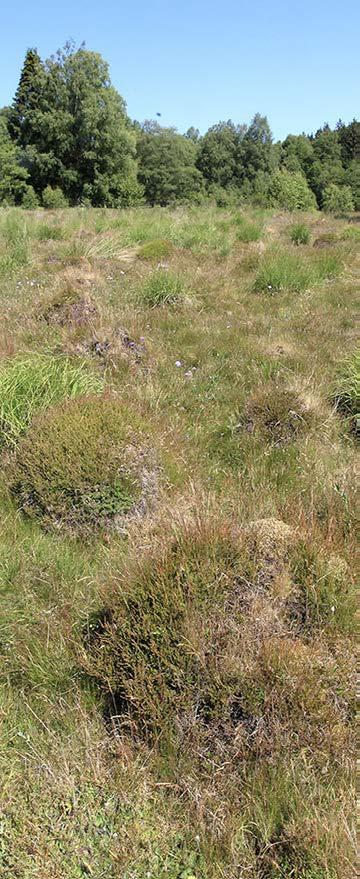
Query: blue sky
column 201, row 61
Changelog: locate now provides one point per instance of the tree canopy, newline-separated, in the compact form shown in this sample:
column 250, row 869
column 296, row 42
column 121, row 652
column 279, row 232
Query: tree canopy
column 67, row 139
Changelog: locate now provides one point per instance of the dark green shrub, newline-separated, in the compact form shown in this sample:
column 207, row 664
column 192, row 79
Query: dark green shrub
column 156, row 249
column 300, row 233
column 30, row 200
column 80, row 465
column 53, row 198
column 162, row 288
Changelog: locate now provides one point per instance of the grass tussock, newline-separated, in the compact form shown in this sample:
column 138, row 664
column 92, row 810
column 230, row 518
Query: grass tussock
column 299, row 233
column 30, row 383
column 277, row 413
column 162, row 288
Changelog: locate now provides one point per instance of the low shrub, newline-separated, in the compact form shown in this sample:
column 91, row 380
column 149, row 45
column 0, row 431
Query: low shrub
column 157, row 249
column 30, row 383
column 195, row 645
column 299, row 233
column 162, row 288
column 30, row 200
column 53, row 198
column 290, row 190
column 337, row 200
column 347, row 389
column 80, row 466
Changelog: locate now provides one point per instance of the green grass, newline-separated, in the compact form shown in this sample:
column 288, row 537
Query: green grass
column 299, row 233
column 347, row 389
column 30, row 383
column 162, row 288
column 176, row 680
column 283, row 270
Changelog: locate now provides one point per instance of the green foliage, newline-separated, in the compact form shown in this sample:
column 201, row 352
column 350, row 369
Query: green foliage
column 155, row 249
column 73, row 128
column 48, row 233
column 30, row 200
column 283, row 270
column 337, row 199
column 80, row 464
column 30, row 383
column 53, row 198
column 13, row 177
column 167, row 169
column 218, row 154
column 290, row 190
column 300, row 233
column 347, row 390
column 162, row 288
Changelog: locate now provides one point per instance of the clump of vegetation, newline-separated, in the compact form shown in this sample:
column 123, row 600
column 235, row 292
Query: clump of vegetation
column 276, row 413
column 162, row 288
column 157, row 249
column 80, row 466
column 54, row 198
column 351, row 233
column 44, row 232
column 337, row 200
column 15, row 234
column 291, row 190
column 198, row 652
column 69, row 306
column 300, row 233
column 246, row 230
column 30, row 383
column 347, row 390
column 285, row 271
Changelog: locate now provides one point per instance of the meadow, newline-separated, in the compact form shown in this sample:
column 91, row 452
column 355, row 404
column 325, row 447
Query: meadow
column 179, row 398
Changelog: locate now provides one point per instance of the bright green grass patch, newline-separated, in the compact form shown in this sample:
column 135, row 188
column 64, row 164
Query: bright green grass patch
column 32, row 382
column 162, row 288
column 14, row 243
column 282, row 270
column 300, row 234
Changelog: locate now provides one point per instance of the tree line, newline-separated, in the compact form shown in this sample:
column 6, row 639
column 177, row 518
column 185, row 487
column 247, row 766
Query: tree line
column 67, row 139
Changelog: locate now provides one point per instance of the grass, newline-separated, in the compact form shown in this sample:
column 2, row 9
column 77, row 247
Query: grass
column 347, row 389
column 282, row 270
column 299, row 233
column 177, row 685
column 30, row 383
column 162, row 288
